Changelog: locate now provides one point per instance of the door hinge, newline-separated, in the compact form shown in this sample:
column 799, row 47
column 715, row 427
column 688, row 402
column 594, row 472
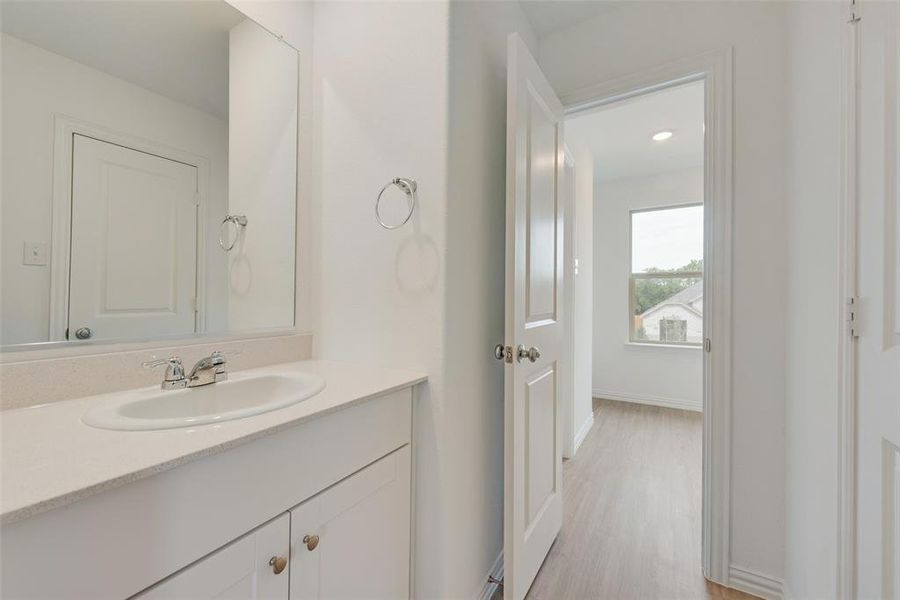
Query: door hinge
column 707, row 345
column 855, row 16
column 852, row 318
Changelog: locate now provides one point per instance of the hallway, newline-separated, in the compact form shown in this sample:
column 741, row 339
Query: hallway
column 631, row 525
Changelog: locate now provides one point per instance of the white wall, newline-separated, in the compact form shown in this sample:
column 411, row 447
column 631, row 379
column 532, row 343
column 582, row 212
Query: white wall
column 813, row 190
column 638, row 36
column 428, row 104
column 583, row 415
column 637, row 371
column 294, row 22
column 381, row 112
column 262, row 177
column 38, row 84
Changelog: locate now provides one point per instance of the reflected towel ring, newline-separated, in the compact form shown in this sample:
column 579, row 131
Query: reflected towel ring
column 409, row 188
column 239, row 222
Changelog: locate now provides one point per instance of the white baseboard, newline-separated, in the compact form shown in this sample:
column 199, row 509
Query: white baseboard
column 755, row 583
column 583, row 431
column 680, row 403
column 497, row 573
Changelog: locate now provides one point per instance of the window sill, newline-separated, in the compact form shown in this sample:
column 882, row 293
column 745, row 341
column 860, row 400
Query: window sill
column 652, row 345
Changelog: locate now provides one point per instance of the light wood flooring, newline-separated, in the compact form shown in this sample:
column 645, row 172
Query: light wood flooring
column 631, row 527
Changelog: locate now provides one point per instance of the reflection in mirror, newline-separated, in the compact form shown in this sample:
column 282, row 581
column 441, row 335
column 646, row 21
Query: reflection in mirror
column 149, row 171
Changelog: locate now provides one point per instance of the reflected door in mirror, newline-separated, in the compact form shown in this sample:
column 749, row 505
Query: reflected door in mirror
column 134, row 243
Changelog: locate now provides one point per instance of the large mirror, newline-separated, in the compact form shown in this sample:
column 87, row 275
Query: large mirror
column 149, row 172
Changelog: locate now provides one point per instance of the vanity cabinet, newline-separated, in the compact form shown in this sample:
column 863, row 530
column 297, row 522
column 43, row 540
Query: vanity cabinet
column 352, row 540
column 349, row 541
column 240, row 570
column 208, row 528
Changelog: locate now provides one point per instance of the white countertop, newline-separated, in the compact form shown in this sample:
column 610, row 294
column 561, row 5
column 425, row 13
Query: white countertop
column 49, row 458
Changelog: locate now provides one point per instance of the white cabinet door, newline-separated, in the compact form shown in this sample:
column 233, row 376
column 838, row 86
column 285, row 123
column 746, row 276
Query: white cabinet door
column 133, row 264
column 238, row 571
column 363, row 529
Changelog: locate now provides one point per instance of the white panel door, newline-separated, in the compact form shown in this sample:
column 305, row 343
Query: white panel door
column 534, row 300
column 239, row 571
column 133, row 261
column 353, row 540
column 878, row 281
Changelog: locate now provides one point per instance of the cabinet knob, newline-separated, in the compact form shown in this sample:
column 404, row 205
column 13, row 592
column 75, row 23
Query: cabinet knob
column 278, row 564
column 311, row 542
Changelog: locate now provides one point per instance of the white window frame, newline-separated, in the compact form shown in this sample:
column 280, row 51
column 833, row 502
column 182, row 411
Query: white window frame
column 632, row 277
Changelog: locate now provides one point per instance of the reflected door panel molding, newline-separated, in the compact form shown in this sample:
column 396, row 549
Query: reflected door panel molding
column 113, row 298
column 133, row 262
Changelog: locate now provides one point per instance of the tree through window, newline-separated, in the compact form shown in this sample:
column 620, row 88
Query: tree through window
column 666, row 282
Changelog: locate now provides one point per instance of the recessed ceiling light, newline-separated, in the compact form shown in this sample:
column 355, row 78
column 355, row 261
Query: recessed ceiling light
column 661, row 136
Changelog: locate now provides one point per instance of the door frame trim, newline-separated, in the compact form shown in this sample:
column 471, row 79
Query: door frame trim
column 845, row 569
column 64, row 128
column 716, row 68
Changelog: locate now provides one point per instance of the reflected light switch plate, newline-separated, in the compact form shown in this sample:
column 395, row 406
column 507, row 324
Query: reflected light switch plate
column 35, row 254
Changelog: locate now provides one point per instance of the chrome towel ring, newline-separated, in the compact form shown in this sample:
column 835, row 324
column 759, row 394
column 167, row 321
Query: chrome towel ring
column 409, row 188
column 239, row 222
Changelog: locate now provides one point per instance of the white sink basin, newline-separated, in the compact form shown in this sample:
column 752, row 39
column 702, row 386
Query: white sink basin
column 236, row 398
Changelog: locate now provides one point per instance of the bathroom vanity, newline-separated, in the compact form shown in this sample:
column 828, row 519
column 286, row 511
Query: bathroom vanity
column 153, row 207
column 311, row 500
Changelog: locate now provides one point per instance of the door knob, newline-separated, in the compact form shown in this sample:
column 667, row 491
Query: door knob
column 503, row 353
column 311, row 542
column 83, row 333
column 278, row 563
column 531, row 354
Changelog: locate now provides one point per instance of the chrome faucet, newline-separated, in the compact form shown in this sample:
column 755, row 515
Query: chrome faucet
column 174, row 378
column 210, row 369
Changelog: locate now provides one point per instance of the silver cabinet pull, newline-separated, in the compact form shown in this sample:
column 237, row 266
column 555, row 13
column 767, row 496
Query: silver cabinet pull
column 83, row 333
column 531, row 354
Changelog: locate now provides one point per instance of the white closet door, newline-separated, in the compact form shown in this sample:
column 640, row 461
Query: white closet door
column 363, row 536
column 133, row 262
column 238, row 571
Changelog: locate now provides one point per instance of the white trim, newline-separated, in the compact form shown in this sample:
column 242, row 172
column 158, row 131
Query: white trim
column 715, row 68
column 64, row 128
column 582, row 433
column 751, row 582
column 570, row 446
column 658, row 345
column 679, row 403
column 488, row 589
column 845, row 569
column 50, row 350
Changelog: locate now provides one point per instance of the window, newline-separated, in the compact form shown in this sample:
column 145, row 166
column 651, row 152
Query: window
column 666, row 283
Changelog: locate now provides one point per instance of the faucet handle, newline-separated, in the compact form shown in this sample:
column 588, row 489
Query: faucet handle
column 152, row 364
column 174, row 370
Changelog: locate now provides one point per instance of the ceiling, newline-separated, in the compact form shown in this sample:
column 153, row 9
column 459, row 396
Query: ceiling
column 177, row 49
column 549, row 16
column 618, row 135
